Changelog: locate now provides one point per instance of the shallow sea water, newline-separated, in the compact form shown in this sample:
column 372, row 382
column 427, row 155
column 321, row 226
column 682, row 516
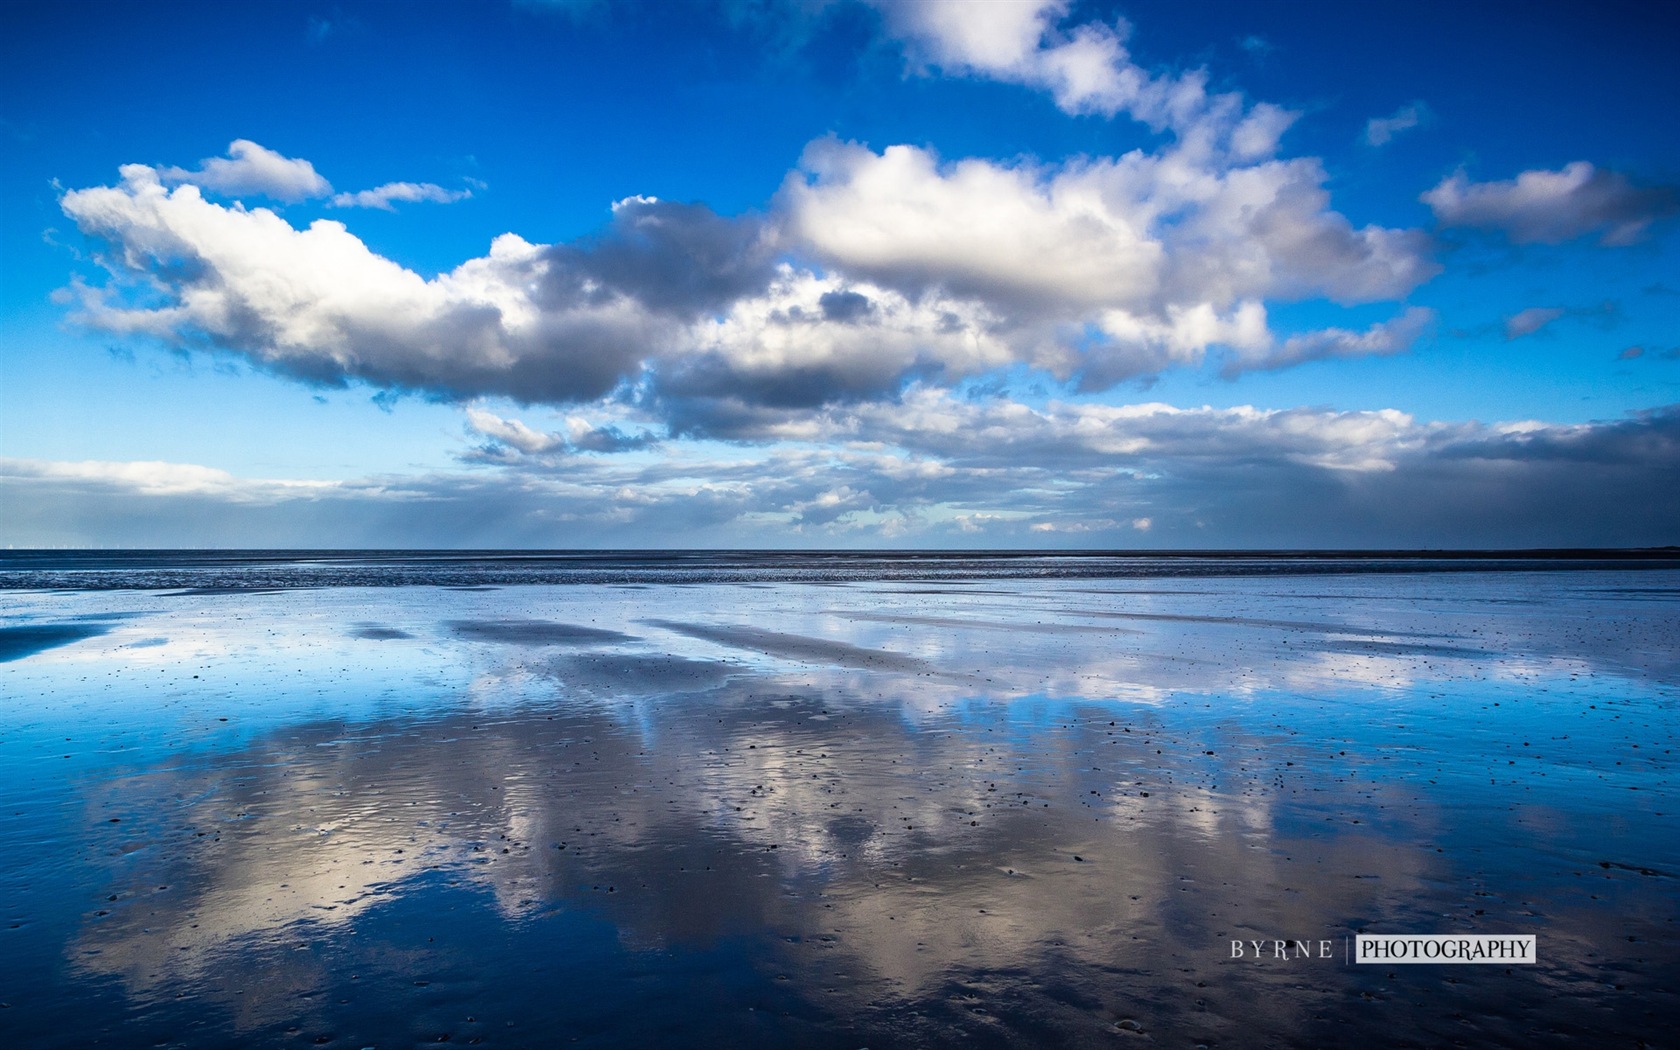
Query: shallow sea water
column 838, row 812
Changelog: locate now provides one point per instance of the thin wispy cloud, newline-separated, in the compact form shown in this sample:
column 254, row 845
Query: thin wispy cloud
column 387, row 196
column 1531, row 320
column 1380, row 131
column 252, row 170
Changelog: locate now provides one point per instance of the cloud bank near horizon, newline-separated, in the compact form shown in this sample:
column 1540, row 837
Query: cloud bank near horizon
column 939, row 471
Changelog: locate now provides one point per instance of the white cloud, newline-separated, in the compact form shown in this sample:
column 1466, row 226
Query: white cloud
column 807, row 339
column 579, row 435
column 1379, row 131
column 1135, row 232
column 513, row 432
column 974, row 227
column 158, row 478
column 1167, row 253
column 1086, row 68
column 830, row 505
column 1143, row 345
column 1103, row 269
column 1002, row 434
column 989, row 37
column 1393, row 336
column 318, row 304
column 1256, row 135
column 1531, row 320
column 1550, row 207
column 867, row 271
column 797, row 364
column 250, row 169
column 383, row 197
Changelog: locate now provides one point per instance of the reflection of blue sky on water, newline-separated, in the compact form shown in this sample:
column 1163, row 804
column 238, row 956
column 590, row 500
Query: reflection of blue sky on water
column 1042, row 818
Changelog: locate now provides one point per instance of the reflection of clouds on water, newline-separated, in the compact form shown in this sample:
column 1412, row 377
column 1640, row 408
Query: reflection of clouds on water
column 990, row 836
column 886, row 804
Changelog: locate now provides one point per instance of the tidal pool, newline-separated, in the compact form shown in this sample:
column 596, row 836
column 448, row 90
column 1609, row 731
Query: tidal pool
column 855, row 813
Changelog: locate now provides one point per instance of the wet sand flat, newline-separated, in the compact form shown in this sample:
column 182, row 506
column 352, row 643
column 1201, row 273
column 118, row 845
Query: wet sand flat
column 760, row 812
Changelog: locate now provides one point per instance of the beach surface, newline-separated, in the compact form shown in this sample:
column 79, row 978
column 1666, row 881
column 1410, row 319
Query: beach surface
column 267, row 805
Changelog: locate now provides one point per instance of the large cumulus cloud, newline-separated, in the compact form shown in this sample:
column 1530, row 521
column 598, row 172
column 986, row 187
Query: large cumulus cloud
column 870, row 269
column 1105, row 270
column 534, row 323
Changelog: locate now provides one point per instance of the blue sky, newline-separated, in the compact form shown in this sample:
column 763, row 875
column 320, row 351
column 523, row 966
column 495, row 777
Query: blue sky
column 844, row 274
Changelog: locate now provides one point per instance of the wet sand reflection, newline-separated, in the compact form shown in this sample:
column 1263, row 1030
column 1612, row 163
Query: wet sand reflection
column 662, row 819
